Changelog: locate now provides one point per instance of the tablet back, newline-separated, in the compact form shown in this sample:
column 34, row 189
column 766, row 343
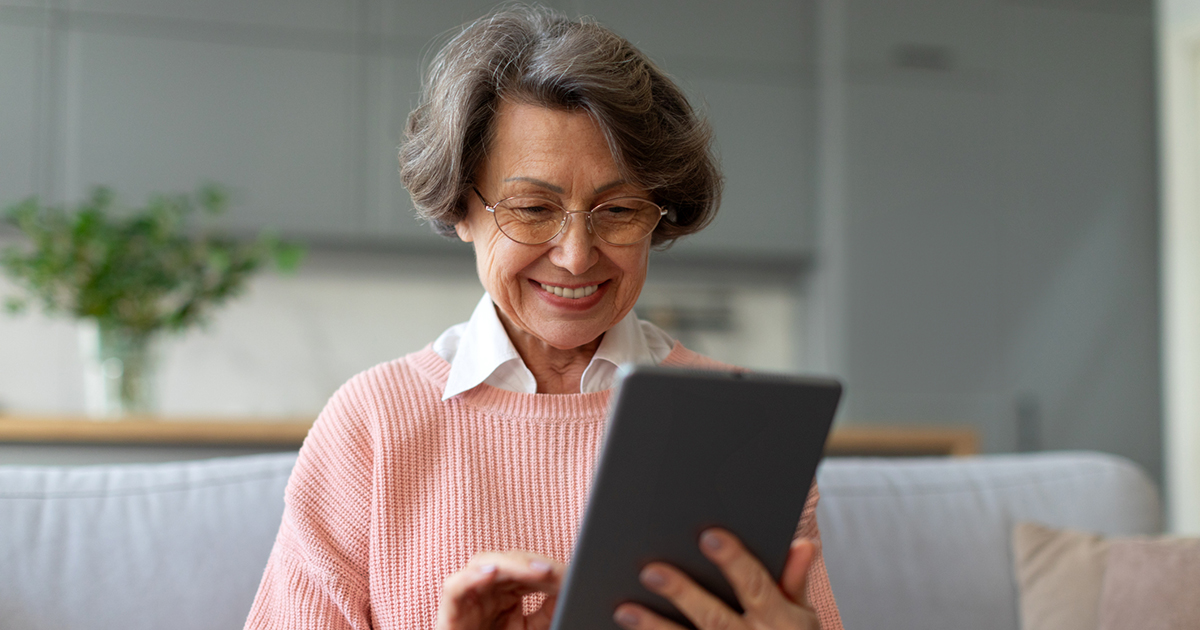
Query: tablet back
column 688, row 450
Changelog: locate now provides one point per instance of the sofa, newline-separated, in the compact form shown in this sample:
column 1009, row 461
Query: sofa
column 909, row 543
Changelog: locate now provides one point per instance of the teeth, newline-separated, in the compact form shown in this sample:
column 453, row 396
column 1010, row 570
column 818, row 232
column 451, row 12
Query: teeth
column 573, row 294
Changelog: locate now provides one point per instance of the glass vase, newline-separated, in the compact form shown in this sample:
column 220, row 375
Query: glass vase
column 120, row 370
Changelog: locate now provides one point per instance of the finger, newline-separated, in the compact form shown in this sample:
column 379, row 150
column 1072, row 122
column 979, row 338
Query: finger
column 795, row 570
column 493, row 580
column 755, row 588
column 521, row 569
column 636, row 617
column 696, row 603
column 463, row 601
column 491, row 586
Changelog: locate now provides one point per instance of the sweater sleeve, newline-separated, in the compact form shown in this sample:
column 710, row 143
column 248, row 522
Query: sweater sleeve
column 317, row 574
column 820, row 594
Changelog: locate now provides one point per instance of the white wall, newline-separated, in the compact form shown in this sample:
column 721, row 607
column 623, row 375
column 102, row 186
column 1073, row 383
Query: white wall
column 1179, row 80
column 282, row 348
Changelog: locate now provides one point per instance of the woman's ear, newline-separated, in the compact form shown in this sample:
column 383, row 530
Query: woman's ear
column 463, row 229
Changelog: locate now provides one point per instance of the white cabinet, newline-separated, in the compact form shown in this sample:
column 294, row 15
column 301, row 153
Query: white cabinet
column 275, row 124
column 255, row 20
column 766, row 144
column 750, row 67
column 300, row 107
column 999, row 221
column 21, row 110
column 926, row 34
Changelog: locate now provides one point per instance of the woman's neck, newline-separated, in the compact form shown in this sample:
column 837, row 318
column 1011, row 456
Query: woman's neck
column 557, row 371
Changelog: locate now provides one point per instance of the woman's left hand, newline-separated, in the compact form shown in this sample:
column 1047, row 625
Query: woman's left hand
column 767, row 605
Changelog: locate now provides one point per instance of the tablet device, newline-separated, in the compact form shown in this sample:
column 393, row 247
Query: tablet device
column 684, row 451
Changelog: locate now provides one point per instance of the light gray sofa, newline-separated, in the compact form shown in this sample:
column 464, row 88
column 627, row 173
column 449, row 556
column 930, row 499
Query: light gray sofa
column 910, row 544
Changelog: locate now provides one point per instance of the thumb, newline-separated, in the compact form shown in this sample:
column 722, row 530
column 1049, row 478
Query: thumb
column 795, row 570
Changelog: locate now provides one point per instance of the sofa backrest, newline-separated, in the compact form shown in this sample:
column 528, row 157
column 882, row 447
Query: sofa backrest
column 179, row 545
column 924, row 544
column 909, row 543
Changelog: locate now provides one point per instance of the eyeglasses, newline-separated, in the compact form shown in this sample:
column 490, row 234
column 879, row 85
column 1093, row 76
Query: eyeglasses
column 534, row 220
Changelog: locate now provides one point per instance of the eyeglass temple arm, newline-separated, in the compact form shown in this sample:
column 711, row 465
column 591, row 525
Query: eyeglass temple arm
column 487, row 206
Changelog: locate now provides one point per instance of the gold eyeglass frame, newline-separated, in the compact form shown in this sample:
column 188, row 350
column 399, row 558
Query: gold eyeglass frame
column 562, row 225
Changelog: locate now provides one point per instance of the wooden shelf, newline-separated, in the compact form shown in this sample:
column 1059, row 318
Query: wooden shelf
column 154, row 431
column 902, row 441
column 290, row 432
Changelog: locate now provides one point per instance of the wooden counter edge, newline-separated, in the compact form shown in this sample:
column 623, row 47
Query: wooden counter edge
column 904, row 440
column 154, row 431
column 871, row 440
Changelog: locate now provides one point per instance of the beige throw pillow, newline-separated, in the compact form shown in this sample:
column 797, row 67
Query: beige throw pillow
column 1151, row 585
column 1069, row 580
column 1059, row 577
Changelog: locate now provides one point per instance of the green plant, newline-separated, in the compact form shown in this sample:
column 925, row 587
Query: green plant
column 140, row 271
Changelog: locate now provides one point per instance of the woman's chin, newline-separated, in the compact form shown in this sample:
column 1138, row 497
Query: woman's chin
column 569, row 337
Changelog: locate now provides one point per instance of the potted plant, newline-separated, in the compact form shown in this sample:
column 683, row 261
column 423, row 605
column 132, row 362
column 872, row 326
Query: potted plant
column 131, row 275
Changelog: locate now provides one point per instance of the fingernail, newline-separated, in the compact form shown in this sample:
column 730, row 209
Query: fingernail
column 538, row 565
column 653, row 578
column 487, row 568
column 711, row 541
column 626, row 618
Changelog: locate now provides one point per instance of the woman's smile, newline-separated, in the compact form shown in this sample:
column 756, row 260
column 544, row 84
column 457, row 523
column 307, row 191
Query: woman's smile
column 571, row 297
column 569, row 292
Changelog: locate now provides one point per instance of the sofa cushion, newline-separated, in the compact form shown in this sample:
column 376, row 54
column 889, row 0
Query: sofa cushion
column 924, row 544
column 179, row 545
column 1151, row 585
column 1059, row 576
column 909, row 543
column 1072, row 580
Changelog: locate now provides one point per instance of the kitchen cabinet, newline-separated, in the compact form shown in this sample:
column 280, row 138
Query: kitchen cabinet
column 299, row 108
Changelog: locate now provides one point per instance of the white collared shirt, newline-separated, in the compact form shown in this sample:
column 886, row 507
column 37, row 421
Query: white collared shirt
column 479, row 351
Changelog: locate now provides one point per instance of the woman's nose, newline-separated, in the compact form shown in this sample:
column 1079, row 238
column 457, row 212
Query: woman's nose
column 575, row 250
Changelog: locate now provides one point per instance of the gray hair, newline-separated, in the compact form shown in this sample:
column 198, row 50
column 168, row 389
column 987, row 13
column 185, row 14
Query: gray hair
column 538, row 56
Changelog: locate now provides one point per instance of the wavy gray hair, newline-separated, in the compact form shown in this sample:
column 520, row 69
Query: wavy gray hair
column 538, row 56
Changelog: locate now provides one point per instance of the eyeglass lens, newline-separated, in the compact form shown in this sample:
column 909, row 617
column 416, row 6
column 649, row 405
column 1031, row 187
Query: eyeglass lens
column 532, row 220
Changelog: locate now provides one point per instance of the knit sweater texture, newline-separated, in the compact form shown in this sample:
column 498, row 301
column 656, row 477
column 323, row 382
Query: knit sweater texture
column 395, row 489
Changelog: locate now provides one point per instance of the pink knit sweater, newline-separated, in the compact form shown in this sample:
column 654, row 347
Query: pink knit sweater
column 395, row 489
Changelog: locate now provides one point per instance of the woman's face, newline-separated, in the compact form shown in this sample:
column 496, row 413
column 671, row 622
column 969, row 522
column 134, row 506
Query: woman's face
column 560, row 155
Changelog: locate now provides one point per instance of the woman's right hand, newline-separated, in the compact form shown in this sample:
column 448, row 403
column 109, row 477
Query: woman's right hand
column 486, row 594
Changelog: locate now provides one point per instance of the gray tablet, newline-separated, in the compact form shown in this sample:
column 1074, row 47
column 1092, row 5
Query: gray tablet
column 684, row 451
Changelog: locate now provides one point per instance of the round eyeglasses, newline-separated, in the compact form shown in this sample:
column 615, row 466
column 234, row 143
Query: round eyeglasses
column 531, row 220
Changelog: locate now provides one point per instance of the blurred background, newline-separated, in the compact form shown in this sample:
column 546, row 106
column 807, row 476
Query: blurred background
column 952, row 205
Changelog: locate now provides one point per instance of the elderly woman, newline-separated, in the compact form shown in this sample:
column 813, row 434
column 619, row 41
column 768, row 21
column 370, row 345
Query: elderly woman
column 444, row 489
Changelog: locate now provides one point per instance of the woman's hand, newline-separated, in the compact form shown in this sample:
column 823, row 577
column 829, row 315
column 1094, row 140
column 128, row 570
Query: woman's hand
column 767, row 605
column 486, row 594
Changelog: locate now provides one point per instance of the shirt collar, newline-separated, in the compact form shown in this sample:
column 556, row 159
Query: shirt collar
column 480, row 351
column 480, row 348
column 623, row 343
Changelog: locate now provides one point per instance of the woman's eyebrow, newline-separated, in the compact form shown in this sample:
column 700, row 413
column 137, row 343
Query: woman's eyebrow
column 531, row 180
column 559, row 189
column 609, row 186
